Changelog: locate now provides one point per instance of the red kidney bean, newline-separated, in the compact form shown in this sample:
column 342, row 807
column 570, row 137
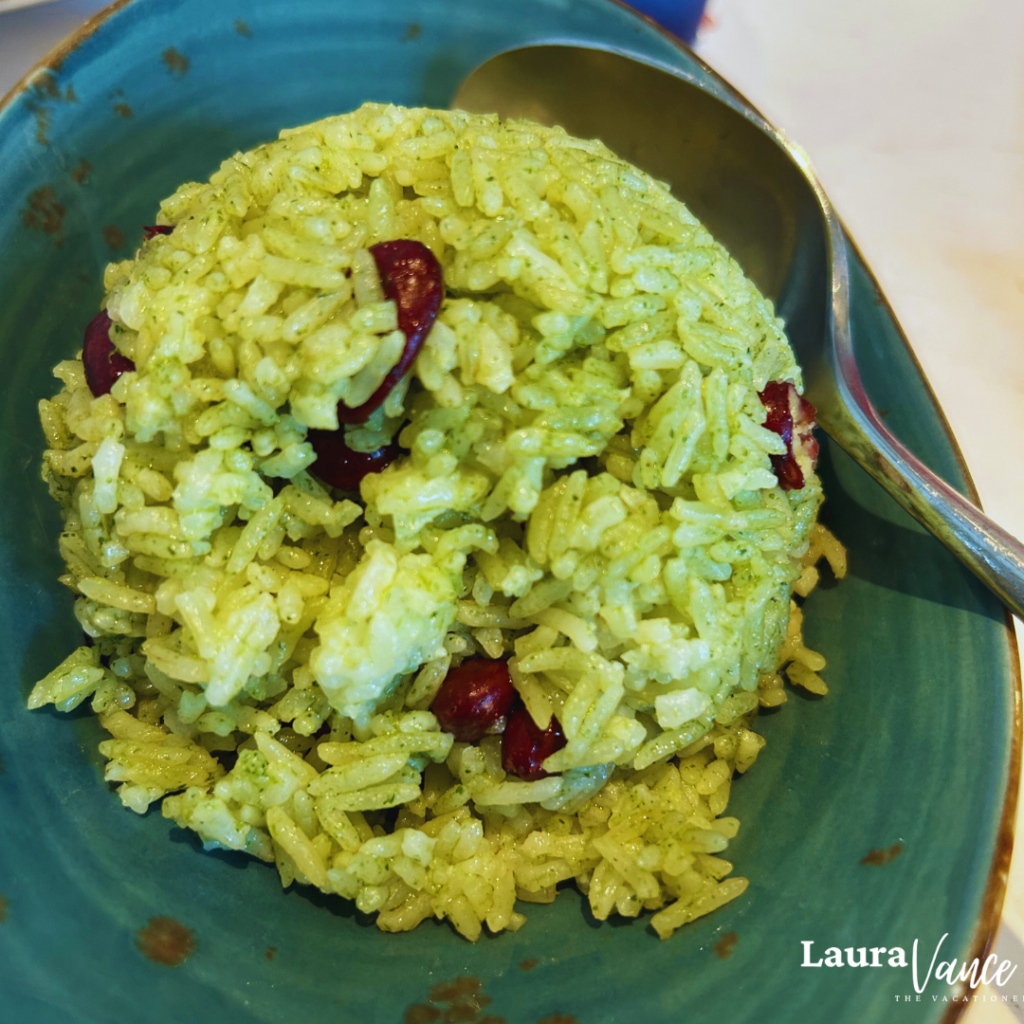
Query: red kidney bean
column 473, row 698
column 152, row 230
column 524, row 747
column 412, row 279
column 340, row 466
column 790, row 416
column 103, row 363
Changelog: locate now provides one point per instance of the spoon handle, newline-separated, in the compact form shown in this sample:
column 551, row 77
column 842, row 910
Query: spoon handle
column 994, row 556
column 849, row 418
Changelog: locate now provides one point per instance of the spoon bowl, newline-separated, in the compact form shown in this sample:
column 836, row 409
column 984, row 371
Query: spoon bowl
column 756, row 192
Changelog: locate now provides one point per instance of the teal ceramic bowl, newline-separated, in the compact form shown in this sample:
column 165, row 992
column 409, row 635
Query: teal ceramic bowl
column 913, row 751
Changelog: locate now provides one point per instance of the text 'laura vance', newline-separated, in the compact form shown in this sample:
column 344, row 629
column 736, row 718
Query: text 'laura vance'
column 973, row 972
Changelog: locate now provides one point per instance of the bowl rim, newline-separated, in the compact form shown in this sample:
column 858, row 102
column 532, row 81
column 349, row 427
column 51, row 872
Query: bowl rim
column 994, row 893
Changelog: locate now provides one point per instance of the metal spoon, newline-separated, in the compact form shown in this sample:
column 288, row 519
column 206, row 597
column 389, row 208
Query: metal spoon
column 756, row 192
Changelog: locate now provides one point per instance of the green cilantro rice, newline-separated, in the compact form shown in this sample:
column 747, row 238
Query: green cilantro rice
column 584, row 490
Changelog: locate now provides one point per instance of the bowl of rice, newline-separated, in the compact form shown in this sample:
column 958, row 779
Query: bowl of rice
column 423, row 535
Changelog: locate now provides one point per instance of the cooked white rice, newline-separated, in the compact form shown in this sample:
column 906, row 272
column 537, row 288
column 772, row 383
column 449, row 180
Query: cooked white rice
column 587, row 491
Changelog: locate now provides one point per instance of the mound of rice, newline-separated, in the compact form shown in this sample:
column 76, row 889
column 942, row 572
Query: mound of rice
column 586, row 491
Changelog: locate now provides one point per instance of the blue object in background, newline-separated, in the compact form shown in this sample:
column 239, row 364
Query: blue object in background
column 679, row 16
